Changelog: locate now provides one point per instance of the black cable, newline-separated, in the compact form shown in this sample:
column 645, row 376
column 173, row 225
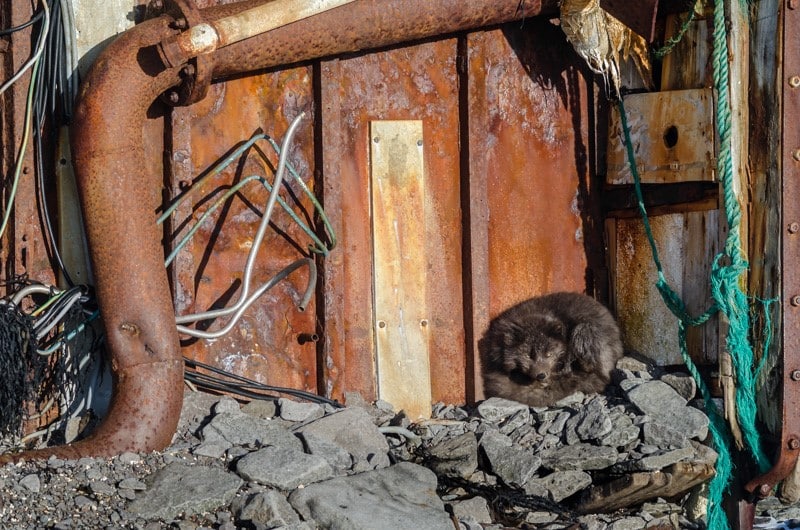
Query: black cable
column 249, row 383
column 33, row 20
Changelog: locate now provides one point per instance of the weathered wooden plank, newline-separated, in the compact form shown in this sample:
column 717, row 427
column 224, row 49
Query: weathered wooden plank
column 672, row 134
column 684, row 242
column 400, row 277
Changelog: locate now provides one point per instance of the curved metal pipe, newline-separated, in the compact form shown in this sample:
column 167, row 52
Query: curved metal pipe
column 132, row 287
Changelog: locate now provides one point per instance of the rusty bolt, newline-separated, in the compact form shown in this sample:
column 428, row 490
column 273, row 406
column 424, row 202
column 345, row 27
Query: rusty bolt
column 794, row 443
column 764, row 490
column 794, row 81
column 188, row 70
column 423, row 322
column 794, row 228
column 796, row 155
column 795, row 375
column 174, row 97
column 795, row 301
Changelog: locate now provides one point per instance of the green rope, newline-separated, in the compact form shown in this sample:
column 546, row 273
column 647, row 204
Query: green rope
column 673, row 41
column 720, row 434
column 729, row 299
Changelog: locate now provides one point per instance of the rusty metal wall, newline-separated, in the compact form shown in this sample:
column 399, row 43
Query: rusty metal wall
column 208, row 272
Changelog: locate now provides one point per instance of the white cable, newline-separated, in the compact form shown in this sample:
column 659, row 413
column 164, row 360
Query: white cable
column 39, row 50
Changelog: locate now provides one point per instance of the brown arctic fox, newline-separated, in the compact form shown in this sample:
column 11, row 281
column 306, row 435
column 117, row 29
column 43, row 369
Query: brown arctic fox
column 544, row 349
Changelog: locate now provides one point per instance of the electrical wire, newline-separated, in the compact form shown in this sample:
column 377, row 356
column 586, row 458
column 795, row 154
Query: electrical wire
column 244, row 299
column 33, row 20
column 39, row 49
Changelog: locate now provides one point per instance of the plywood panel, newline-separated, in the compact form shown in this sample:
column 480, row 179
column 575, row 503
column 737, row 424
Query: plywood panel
column 207, row 273
column 417, row 82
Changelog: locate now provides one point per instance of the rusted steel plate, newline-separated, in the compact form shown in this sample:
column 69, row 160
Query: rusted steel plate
column 672, row 134
column 789, row 447
column 639, row 16
column 415, row 82
column 529, row 154
column 207, row 273
column 400, row 264
column 647, row 324
column 532, row 227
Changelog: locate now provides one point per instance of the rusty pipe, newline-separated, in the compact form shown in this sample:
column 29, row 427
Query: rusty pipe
column 208, row 36
column 131, row 283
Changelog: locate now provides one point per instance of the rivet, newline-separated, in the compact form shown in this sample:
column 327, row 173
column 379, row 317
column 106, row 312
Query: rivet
column 794, row 443
column 796, row 155
column 794, row 228
column 381, row 324
column 419, row 143
column 795, row 301
column 423, row 322
column 795, row 375
column 794, row 81
column 131, row 329
column 377, row 139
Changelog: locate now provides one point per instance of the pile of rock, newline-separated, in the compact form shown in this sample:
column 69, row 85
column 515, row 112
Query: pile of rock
column 285, row 464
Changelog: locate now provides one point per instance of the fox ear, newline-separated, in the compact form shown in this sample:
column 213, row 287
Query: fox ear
column 554, row 327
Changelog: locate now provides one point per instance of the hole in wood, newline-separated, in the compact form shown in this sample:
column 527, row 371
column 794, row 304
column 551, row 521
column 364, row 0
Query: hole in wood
column 671, row 136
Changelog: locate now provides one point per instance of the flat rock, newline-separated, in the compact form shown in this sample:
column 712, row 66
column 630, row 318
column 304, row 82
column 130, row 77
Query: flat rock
column 352, row 429
column 663, row 436
column 402, row 496
column 334, row 454
column 512, row 464
column 238, row 428
column 623, row 431
column 283, row 468
column 299, row 411
column 684, row 385
column 560, row 484
column 269, row 508
column 475, row 508
column 261, row 408
column 456, row 457
column 580, row 457
column 664, row 405
column 664, row 459
column 593, row 420
column 496, row 409
column 182, row 489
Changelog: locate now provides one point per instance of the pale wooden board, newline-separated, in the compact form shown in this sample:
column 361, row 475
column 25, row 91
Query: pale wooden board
column 663, row 157
column 686, row 248
column 400, row 265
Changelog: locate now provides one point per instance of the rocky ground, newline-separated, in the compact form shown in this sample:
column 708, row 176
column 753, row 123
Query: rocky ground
column 298, row 465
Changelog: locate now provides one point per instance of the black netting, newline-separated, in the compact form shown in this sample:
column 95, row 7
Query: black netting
column 22, row 370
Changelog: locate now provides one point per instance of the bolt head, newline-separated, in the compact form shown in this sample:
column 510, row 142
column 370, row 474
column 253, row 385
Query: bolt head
column 794, row 81
column 794, row 228
column 795, row 301
column 794, row 443
column 795, row 375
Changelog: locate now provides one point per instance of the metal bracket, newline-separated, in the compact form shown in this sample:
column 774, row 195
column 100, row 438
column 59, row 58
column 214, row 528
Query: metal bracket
column 196, row 73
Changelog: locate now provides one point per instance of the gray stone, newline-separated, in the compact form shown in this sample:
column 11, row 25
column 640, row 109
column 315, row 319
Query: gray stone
column 593, row 420
column 664, row 405
column 179, row 488
column 31, row 483
column 269, row 508
column 515, row 421
column 571, row 400
column 237, row 428
column 456, row 457
column 99, row 487
column 631, row 363
column 283, row 468
column 400, row 496
column 623, row 431
column 212, row 449
column 539, row 518
column 560, row 484
column 557, row 427
column 132, row 484
column 226, row 404
column 261, row 408
column 335, row 455
column 663, row 459
column 299, row 411
column 495, row 409
column 580, row 457
column 475, row 508
column 704, row 453
column 684, row 384
column 512, row 464
column 352, row 429
column 663, row 436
